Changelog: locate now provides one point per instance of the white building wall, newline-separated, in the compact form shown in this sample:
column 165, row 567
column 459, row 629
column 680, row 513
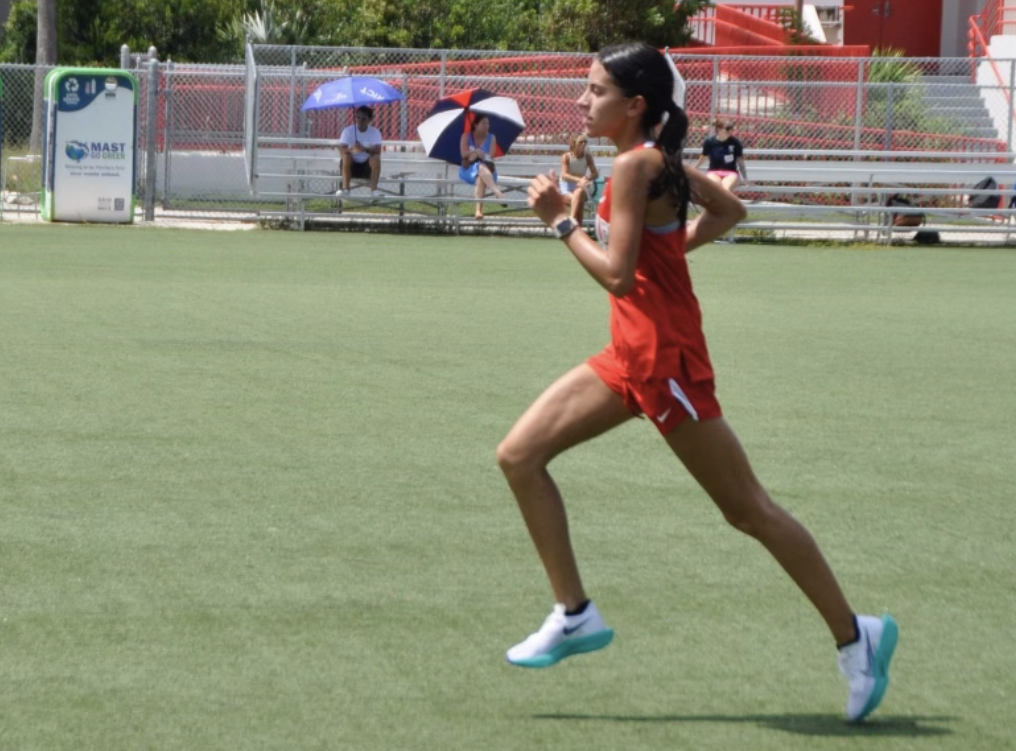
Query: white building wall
column 955, row 23
column 1003, row 54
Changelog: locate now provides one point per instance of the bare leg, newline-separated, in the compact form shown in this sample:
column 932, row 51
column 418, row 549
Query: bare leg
column 479, row 192
column 576, row 407
column 487, row 177
column 347, row 172
column 715, row 458
column 578, row 199
column 730, row 182
column 375, row 170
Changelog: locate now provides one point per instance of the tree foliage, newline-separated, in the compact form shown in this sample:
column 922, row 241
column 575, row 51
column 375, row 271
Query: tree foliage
column 588, row 25
column 92, row 31
column 18, row 37
column 295, row 23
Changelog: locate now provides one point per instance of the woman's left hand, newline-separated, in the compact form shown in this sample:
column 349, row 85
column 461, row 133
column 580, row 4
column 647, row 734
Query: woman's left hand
column 545, row 199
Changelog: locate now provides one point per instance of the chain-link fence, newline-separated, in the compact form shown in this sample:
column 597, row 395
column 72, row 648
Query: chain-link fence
column 20, row 157
column 545, row 85
column 195, row 121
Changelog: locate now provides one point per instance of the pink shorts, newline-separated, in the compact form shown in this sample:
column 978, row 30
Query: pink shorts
column 667, row 400
column 724, row 173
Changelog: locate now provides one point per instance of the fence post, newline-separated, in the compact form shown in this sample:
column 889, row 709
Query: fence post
column 304, row 123
column 859, row 107
column 440, row 93
column 890, row 107
column 292, row 90
column 714, row 100
column 404, row 110
column 152, row 137
column 125, row 57
column 1012, row 92
column 444, row 72
column 167, row 140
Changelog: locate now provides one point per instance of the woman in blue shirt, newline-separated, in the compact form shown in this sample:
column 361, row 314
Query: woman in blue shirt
column 478, row 147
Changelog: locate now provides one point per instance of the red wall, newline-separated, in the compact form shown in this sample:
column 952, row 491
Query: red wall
column 912, row 25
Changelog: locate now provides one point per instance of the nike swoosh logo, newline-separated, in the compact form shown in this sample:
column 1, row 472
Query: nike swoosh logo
column 664, row 416
column 573, row 629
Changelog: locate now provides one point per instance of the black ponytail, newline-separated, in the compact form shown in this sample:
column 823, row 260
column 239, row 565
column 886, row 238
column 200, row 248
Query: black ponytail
column 641, row 70
column 673, row 179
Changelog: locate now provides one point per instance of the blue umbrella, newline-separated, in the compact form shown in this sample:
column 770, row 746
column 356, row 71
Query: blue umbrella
column 351, row 91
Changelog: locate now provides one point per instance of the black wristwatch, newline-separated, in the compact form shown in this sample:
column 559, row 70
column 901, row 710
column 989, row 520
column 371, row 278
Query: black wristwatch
column 565, row 227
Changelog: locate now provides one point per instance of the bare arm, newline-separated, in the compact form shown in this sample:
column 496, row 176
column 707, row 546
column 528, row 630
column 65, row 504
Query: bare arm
column 701, row 160
column 721, row 210
column 613, row 268
column 467, row 153
column 742, row 168
column 591, row 165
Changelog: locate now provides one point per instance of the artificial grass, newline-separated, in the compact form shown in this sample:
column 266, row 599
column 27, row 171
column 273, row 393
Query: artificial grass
column 250, row 501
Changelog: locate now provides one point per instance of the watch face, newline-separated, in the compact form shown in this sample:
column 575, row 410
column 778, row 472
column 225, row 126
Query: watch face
column 564, row 227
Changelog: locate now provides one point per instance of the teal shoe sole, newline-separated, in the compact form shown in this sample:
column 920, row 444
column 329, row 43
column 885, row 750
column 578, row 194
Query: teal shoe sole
column 884, row 653
column 568, row 648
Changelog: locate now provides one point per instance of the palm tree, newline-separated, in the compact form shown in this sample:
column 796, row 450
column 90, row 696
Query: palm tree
column 269, row 26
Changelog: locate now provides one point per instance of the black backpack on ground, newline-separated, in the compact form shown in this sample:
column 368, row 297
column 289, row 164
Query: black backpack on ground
column 904, row 220
column 985, row 201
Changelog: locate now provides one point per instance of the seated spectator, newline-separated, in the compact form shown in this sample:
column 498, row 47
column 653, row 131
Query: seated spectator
column 578, row 173
column 725, row 154
column 360, row 151
column 478, row 161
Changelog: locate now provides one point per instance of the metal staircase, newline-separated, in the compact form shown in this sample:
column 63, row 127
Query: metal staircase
column 956, row 98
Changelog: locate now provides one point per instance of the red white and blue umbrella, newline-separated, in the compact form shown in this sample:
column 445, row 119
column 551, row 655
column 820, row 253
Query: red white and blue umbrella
column 452, row 116
column 352, row 91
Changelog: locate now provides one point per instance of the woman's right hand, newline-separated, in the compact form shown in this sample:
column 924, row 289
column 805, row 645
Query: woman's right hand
column 546, row 200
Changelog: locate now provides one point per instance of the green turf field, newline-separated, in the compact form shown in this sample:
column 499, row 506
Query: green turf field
column 248, row 498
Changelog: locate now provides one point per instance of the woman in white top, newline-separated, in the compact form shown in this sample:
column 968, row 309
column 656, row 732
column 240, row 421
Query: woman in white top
column 578, row 171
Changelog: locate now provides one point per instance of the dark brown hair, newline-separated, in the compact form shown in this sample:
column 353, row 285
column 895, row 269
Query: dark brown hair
column 641, row 70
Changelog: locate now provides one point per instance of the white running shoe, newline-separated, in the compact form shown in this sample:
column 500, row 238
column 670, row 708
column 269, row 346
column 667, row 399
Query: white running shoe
column 375, row 194
column 340, row 192
column 561, row 636
column 865, row 664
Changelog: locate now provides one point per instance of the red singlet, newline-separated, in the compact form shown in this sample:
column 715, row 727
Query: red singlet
column 657, row 359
